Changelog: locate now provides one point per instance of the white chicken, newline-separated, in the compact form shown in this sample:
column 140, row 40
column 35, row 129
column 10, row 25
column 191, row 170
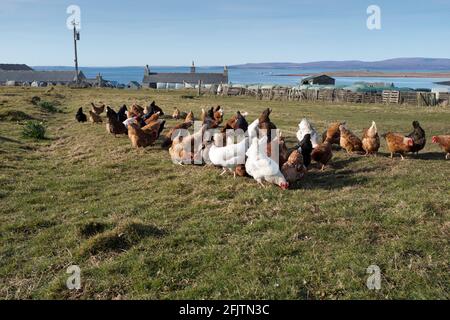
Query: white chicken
column 261, row 167
column 253, row 130
column 228, row 157
column 305, row 127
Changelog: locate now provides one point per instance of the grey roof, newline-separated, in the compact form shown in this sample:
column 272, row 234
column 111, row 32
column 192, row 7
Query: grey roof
column 14, row 67
column 44, row 76
column 206, row 78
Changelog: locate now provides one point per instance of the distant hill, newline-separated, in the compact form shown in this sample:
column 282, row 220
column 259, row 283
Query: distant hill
column 399, row 64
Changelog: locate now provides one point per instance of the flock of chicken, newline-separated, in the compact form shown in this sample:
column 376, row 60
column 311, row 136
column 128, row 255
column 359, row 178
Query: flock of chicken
column 258, row 149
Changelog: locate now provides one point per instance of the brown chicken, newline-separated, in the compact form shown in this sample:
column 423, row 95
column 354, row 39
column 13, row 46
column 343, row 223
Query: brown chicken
column 238, row 121
column 229, row 125
column 188, row 149
column 177, row 114
column 203, row 116
column 136, row 111
column 240, row 171
column 190, row 117
column 444, row 142
column 398, row 143
column 218, row 115
column 209, row 120
column 141, row 138
column 167, row 141
column 349, row 141
column 322, row 154
column 153, row 118
column 98, row 110
column 265, row 124
column 114, row 126
column 283, row 152
column 294, row 169
column 94, row 117
column 333, row 134
column 155, row 126
column 371, row 140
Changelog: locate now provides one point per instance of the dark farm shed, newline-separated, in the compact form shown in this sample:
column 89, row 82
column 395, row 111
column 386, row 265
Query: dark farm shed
column 321, row 79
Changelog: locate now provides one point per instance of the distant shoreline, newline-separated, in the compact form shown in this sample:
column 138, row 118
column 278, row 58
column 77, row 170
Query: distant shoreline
column 374, row 74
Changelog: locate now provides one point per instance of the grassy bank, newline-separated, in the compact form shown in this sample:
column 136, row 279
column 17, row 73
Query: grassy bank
column 140, row 227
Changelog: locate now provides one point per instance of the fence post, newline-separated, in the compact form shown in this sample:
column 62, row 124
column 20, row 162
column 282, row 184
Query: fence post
column 199, row 91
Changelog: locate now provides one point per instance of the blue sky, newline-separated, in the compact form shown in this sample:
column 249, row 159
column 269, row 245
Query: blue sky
column 175, row 32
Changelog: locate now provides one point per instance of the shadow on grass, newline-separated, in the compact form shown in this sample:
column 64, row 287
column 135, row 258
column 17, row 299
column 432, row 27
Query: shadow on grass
column 420, row 156
column 337, row 175
column 345, row 163
column 15, row 116
column 428, row 156
column 329, row 179
column 5, row 139
column 118, row 239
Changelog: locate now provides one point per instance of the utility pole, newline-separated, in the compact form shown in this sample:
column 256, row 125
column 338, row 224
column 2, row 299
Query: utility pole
column 76, row 37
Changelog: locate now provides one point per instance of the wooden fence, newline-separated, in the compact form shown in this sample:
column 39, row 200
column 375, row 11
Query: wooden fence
column 341, row 95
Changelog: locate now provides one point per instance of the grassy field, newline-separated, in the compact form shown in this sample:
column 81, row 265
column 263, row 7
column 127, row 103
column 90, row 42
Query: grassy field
column 140, row 227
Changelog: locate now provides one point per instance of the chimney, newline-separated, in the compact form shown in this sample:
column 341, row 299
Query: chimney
column 147, row 70
column 225, row 71
column 193, row 67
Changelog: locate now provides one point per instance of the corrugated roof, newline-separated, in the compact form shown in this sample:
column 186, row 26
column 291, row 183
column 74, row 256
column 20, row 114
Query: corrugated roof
column 44, row 76
column 315, row 77
column 14, row 67
column 206, row 78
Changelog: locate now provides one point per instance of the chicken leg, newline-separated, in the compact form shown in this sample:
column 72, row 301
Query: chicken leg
column 261, row 183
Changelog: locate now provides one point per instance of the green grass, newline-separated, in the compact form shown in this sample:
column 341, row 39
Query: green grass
column 48, row 106
column 141, row 227
column 34, row 130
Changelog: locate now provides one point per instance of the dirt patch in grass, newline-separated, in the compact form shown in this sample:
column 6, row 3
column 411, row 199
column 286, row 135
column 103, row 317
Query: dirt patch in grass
column 121, row 238
column 92, row 228
column 35, row 100
column 32, row 227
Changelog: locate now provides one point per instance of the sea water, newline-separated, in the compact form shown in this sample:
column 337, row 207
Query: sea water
column 246, row 75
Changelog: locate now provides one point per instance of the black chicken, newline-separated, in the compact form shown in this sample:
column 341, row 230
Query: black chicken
column 419, row 138
column 241, row 122
column 161, row 128
column 307, row 149
column 80, row 116
column 153, row 108
column 121, row 115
